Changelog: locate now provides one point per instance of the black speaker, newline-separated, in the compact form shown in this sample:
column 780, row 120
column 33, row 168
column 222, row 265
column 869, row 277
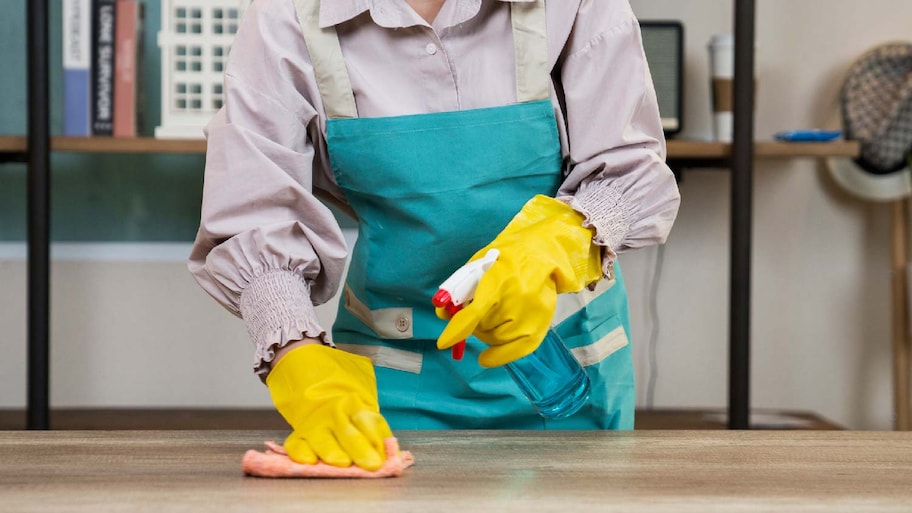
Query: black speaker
column 663, row 42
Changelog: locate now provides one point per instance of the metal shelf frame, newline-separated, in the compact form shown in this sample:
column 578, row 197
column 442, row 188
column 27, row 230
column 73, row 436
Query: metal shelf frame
column 39, row 195
column 37, row 158
column 742, row 170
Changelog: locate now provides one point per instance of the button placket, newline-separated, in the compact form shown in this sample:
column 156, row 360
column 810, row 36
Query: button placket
column 436, row 66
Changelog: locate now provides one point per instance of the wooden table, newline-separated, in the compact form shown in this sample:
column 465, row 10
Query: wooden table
column 467, row 472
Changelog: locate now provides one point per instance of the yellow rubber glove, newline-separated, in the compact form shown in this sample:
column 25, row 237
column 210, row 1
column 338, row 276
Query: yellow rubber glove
column 329, row 397
column 544, row 251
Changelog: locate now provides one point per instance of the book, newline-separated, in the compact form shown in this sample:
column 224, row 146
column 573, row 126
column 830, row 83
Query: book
column 140, row 68
column 76, row 67
column 126, row 46
column 103, row 34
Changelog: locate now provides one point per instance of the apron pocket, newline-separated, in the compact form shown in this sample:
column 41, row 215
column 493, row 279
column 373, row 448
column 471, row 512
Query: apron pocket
column 392, row 323
column 591, row 322
column 610, row 343
column 596, row 331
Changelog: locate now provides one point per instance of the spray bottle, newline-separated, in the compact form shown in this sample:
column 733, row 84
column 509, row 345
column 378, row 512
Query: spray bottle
column 550, row 377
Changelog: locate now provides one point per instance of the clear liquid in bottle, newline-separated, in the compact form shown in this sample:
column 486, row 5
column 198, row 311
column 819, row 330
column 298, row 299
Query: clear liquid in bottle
column 552, row 378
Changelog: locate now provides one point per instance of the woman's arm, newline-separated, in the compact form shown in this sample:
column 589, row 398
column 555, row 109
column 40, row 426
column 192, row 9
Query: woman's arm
column 267, row 249
column 617, row 177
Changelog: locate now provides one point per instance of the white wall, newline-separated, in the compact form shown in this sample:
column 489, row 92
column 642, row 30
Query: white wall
column 143, row 334
column 821, row 322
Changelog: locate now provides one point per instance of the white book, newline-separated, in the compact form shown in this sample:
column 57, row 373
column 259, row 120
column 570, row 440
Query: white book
column 77, row 58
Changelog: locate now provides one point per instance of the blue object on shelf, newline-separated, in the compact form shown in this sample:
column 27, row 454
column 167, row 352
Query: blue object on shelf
column 813, row 135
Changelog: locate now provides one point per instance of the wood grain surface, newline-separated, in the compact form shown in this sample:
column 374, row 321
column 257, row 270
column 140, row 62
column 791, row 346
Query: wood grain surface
column 469, row 471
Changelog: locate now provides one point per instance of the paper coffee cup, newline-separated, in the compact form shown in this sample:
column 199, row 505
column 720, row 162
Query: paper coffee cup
column 722, row 68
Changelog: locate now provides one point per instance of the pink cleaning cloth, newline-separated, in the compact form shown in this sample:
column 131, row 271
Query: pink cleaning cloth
column 274, row 462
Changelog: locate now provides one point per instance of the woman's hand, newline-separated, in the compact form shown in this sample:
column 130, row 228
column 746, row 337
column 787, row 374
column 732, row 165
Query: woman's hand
column 544, row 251
column 329, row 397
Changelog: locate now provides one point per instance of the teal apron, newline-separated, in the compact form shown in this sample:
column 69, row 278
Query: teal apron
column 429, row 190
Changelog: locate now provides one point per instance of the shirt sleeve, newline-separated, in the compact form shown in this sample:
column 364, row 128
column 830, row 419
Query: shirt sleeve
column 617, row 176
column 267, row 249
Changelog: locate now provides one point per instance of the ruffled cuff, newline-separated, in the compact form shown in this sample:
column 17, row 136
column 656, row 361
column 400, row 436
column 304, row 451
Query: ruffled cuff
column 605, row 210
column 277, row 309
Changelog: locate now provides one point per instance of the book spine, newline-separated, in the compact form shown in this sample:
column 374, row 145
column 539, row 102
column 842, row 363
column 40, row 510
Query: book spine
column 125, row 69
column 103, row 34
column 140, row 66
column 76, row 67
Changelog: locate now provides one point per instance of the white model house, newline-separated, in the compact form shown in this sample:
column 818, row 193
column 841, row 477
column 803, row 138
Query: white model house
column 194, row 39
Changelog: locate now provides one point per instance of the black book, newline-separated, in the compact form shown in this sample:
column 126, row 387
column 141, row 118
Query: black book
column 102, row 104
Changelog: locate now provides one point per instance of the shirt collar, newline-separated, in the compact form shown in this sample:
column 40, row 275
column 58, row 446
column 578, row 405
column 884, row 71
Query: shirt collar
column 386, row 13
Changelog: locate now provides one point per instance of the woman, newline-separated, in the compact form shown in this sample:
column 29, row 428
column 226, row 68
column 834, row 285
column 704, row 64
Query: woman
column 446, row 127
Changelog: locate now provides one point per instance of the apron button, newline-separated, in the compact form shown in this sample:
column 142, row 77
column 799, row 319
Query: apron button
column 402, row 324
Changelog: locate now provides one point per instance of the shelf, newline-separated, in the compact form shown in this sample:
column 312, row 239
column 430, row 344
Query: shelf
column 677, row 149
column 683, row 149
column 109, row 145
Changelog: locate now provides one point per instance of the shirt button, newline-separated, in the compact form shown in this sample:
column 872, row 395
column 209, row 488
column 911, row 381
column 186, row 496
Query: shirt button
column 402, row 324
column 431, row 48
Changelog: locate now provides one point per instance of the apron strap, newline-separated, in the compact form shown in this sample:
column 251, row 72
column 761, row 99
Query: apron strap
column 533, row 82
column 529, row 39
column 329, row 66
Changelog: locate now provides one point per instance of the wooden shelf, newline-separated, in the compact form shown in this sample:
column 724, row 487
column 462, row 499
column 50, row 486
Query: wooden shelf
column 109, row 145
column 683, row 149
column 12, row 144
column 677, row 149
